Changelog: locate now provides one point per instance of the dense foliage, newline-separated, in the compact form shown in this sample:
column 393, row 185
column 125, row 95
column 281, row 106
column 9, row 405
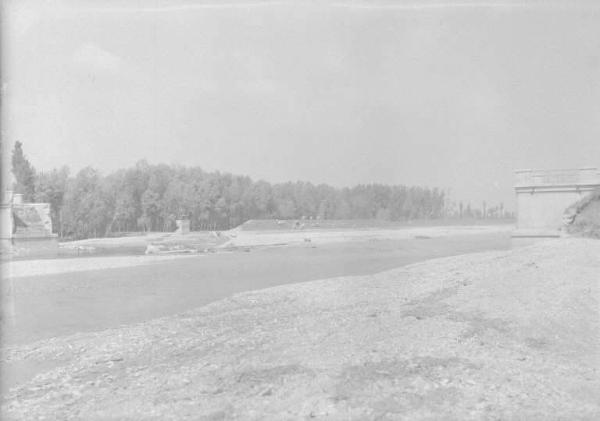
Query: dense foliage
column 152, row 197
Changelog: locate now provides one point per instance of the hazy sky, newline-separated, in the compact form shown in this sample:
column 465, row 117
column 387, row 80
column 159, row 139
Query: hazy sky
column 450, row 94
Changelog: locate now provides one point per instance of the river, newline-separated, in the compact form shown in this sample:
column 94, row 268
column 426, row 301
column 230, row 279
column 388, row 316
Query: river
column 46, row 306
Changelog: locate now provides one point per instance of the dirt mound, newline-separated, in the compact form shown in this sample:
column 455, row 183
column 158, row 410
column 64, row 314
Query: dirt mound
column 266, row 224
column 584, row 216
column 303, row 224
column 498, row 335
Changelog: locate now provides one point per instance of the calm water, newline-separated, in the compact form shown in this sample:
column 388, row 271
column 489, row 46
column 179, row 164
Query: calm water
column 55, row 305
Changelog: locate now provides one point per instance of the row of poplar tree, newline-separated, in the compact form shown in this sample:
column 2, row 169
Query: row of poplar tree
column 152, row 197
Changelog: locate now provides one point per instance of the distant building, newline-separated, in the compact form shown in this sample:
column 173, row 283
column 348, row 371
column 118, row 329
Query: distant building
column 544, row 195
column 26, row 228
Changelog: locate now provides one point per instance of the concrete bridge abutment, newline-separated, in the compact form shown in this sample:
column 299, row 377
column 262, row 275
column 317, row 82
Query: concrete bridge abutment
column 543, row 196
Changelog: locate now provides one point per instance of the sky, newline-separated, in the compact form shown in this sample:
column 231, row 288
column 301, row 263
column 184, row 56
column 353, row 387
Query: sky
column 448, row 94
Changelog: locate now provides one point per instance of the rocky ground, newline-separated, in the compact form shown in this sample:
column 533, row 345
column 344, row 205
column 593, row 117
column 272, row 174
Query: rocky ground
column 496, row 335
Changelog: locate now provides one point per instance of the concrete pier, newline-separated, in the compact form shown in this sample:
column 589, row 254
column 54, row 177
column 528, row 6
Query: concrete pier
column 26, row 229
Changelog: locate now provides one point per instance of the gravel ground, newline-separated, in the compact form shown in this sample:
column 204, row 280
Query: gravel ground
column 496, row 335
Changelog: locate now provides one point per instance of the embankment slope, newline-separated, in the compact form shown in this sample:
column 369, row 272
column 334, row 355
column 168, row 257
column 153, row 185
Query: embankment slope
column 497, row 335
column 585, row 216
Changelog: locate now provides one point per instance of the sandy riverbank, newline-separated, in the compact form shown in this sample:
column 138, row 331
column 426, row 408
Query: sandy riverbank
column 272, row 237
column 24, row 268
column 495, row 335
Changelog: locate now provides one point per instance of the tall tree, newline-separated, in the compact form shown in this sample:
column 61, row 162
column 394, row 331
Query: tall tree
column 50, row 188
column 24, row 173
column 85, row 211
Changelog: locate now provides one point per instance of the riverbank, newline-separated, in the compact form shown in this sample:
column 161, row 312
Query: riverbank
column 248, row 238
column 503, row 334
column 234, row 240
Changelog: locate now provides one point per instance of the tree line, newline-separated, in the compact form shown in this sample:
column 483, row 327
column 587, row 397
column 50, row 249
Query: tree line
column 152, row 197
